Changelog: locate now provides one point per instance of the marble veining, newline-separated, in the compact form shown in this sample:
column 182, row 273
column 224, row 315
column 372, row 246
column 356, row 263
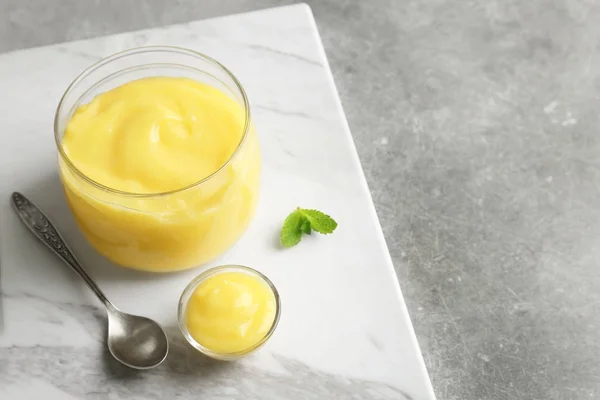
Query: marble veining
column 344, row 331
column 84, row 372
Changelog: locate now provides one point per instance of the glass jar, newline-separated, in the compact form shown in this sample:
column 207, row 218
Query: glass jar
column 171, row 230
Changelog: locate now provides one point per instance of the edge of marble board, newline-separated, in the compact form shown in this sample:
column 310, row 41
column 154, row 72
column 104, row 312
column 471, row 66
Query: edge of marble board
column 306, row 9
column 300, row 6
column 365, row 186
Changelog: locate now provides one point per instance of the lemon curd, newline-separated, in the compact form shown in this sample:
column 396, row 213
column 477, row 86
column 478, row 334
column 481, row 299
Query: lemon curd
column 161, row 173
column 231, row 312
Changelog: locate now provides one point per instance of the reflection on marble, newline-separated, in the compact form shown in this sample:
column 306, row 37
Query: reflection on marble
column 344, row 331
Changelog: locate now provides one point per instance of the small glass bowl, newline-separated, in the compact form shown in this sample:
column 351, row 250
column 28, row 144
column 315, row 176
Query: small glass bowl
column 191, row 287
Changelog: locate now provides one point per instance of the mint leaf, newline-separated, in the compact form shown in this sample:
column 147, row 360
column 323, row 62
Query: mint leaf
column 291, row 232
column 303, row 221
column 319, row 221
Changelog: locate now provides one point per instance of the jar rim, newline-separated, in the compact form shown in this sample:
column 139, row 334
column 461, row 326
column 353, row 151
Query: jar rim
column 210, row 272
column 140, row 50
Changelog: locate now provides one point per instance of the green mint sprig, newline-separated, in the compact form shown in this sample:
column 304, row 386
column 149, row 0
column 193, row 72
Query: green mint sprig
column 302, row 221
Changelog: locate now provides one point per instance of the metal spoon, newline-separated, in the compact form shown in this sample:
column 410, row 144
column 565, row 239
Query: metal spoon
column 135, row 341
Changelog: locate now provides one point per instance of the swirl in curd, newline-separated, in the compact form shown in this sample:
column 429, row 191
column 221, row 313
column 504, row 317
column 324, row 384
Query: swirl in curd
column 161, row 173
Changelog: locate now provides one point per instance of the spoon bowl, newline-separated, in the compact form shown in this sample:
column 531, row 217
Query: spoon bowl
column 137, row 342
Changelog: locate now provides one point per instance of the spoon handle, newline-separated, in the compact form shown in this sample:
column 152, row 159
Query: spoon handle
column 43, row 229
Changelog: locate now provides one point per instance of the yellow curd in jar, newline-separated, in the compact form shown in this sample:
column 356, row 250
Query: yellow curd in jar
column 230, row 312
column 140, row 150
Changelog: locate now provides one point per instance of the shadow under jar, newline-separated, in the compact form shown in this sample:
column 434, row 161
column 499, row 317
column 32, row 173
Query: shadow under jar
column 169, row 230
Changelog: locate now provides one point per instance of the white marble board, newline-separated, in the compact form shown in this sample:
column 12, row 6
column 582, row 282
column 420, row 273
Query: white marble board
column 344, row 332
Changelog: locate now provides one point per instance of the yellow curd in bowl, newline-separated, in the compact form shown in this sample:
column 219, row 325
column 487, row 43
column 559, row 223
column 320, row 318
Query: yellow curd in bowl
column 161, row 173
column 229, row 311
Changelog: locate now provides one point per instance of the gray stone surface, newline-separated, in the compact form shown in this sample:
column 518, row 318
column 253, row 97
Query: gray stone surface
column 477, row 126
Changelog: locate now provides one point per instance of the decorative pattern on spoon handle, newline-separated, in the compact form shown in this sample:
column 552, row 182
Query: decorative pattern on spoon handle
column 42, row 228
